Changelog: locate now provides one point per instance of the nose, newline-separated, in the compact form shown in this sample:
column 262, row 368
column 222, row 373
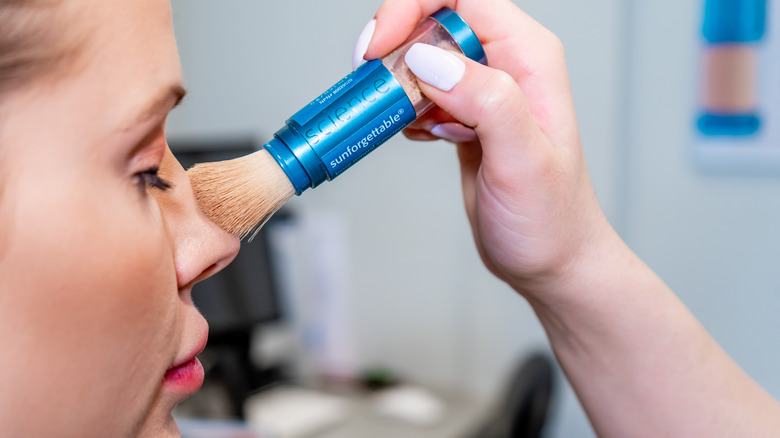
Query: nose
column 201, row 248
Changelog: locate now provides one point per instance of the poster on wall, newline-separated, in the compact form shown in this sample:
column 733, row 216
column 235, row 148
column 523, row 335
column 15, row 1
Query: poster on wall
column 738, row 119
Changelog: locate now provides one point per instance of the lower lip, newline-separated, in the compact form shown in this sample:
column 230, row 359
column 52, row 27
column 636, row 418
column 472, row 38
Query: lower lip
column 186, row 378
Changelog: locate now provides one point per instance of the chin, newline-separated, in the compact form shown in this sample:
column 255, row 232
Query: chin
column 158, row 421
column 157, row 427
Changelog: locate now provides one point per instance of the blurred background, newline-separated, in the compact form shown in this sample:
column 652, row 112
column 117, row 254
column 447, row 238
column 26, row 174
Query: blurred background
column 375, row 276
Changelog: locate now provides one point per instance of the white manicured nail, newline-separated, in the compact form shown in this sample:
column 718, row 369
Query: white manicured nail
column 435, row 66
column 454, row 132
column 362, row 44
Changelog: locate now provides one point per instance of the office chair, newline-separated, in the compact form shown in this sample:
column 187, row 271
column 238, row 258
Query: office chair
column 527, row 402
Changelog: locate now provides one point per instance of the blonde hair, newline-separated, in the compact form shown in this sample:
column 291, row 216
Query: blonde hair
column 28, row 40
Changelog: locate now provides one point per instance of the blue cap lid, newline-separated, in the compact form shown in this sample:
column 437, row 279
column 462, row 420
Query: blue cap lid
column 289, row 164
column 462, row 34
column 734, row 21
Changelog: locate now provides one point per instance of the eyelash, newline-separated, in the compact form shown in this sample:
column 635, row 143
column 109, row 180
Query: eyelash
column 149, row 179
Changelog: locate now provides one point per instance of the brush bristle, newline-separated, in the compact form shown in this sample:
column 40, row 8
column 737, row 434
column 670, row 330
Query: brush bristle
column 239, row 195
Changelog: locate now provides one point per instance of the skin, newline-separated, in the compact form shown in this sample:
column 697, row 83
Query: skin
column 96, row 267
column 96, row 270
column 639, row 361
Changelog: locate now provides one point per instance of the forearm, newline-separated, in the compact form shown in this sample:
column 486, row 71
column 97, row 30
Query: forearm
column 640, row 362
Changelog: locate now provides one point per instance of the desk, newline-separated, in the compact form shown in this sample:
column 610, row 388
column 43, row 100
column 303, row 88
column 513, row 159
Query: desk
column 359, row 418
column 462, row 417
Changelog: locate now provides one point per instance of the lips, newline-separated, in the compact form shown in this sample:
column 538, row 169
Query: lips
column 186, row 378
column 186, row 375
column 193, row 353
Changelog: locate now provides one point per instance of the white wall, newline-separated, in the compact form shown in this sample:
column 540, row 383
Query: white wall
column 422, row 301
column 714, row 239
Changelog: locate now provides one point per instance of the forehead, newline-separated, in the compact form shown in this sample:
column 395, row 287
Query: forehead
column 125, row 59
column 127, row 56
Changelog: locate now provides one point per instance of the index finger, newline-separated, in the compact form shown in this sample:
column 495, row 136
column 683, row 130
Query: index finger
column 396, row 19
column 513, row 41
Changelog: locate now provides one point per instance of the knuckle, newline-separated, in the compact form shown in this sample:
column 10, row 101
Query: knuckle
column 555, row 45
column 495, row 94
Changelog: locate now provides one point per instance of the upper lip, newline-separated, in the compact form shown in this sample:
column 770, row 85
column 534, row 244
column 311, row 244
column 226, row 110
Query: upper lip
column 190, row 357
column 194, row 351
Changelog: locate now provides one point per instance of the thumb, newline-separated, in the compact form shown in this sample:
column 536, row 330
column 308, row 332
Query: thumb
column 487, row 99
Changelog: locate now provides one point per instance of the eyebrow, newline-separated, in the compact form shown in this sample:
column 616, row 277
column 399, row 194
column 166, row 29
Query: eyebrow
column 162, row 104
column 168, row 99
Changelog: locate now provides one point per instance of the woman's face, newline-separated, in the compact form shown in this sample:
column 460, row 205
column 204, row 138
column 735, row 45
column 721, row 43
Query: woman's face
column 96, row 263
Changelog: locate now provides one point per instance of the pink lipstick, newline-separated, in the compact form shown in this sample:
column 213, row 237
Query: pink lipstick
column 185, row 378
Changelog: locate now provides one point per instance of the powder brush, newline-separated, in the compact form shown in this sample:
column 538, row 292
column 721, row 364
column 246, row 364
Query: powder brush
column 241, row 194
column 331, row 133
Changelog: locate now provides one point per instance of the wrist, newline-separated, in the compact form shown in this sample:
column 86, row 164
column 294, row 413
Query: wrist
column 583, row 273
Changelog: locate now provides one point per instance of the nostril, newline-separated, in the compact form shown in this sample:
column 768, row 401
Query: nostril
column 209, row 271
column 206, row 273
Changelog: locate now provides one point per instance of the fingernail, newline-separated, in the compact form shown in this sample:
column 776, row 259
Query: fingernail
column 435, row 66
column 362, row 44
column 454, row 132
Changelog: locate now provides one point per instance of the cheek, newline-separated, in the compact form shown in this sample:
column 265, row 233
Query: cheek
column 89, row 290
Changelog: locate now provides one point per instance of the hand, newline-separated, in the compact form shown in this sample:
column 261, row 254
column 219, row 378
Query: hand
column 525, row 182
column 639, row 361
